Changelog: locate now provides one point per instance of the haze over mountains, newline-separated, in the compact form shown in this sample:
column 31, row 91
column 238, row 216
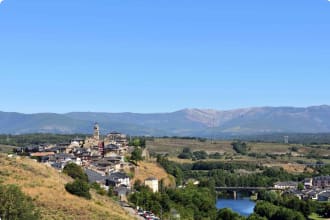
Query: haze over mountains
column 186, row 122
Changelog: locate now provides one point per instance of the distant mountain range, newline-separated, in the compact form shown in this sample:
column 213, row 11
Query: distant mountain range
column 186, row 122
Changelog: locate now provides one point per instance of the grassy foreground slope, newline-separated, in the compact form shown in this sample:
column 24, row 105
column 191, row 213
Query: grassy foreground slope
column 46, row 186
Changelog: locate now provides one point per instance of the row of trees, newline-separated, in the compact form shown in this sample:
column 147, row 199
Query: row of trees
column 306, row 207
column 230, row 166
column 198, row 155
column 265, row 178
column 138, row 142
column 225, row 174
column 35, row 139
column 273, row 212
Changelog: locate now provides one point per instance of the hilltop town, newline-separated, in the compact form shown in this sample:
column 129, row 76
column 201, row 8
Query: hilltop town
column 200, row 170
column 105, row 160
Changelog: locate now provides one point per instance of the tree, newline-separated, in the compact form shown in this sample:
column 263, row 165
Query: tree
column 186, row 150
column 227, row 214
column 200, row 155
column 300, row 186
column 185, row 154
column 240, row 147
column 136, row 154
column 14, row 204
column 326, row 211
column 265, row 209
column 256, row 217
column 75, row 171
column 287, row 214
column 79, row 188
column 138, row 142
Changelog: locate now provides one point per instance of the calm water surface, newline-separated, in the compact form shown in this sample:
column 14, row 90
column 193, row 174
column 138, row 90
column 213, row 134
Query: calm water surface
column 243, row 206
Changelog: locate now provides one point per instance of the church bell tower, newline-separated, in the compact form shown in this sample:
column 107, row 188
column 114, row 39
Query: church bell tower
column 96, row 131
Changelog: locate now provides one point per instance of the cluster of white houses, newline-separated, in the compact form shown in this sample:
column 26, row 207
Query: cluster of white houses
column 103, row 160
column 317, row 188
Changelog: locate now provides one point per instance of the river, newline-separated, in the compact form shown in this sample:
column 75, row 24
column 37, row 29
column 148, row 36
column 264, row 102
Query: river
column 243, row 206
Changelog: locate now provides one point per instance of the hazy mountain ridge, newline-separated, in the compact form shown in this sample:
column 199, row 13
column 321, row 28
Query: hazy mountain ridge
column 186, row 122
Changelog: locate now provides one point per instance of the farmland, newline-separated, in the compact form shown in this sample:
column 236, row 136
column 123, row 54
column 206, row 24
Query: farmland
column 292, row 157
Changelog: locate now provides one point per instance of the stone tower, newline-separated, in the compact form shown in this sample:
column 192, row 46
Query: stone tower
column 96, row 135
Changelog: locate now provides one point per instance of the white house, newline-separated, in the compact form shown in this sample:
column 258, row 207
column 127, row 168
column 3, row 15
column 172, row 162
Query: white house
column 118, row 179
column 286, row 185
column 152, row 183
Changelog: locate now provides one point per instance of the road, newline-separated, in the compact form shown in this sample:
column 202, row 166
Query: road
column 131, row 211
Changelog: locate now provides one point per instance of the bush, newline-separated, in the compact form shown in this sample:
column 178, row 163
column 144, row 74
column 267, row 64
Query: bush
column 16, row 205
column 98, row 189
column 136, row 155
column 227, row 214
column 75, row 171
column 185, row 154
column 215, row 156
column 200, row 155
column 240, row 147
column 79, row 188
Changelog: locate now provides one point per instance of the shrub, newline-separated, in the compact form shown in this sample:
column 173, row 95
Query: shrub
column 240, row 147
column 79, row 188
column 227, row 214
column 185, row 154
column 14, row 204
column 75, row 171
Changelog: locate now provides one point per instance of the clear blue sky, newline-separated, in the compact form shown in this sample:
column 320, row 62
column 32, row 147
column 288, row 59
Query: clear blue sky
column 162, row 55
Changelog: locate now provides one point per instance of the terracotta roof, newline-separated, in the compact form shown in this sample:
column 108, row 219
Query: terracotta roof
column 42, row 154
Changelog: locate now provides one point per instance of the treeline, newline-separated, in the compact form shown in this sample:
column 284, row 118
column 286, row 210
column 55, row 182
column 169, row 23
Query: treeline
column 172, row 168
column 230, row 165
column 185, row 138
column 272, row 202
column 35, row 139
column 191, row 202
column 296, row 138
column 273, row 212
column 198, row 155
column 266, row 178
column 229, row 174
column 137, row 141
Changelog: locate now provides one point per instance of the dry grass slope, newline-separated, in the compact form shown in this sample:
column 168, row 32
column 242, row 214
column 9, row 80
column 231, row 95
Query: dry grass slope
column 152, row 169
column 46, row 186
